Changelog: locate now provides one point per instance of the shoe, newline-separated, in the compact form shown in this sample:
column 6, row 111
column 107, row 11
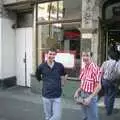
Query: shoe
column 108, row 114
column 115, row 111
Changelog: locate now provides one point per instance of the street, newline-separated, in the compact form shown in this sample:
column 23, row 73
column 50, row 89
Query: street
column 22, row 105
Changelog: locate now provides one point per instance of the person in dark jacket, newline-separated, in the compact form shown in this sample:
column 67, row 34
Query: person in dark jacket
column 52, row 73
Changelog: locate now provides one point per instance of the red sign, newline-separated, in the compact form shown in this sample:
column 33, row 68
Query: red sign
column 71, row 35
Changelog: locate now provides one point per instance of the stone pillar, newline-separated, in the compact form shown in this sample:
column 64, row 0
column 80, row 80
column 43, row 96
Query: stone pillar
column 87, row 6
column 0, row 41
column 36, row 52
column 34, row 40
column 0, row 49
column 90, row 14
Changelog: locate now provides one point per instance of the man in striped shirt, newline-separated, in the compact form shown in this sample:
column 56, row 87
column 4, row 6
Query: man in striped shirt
column 89, row 87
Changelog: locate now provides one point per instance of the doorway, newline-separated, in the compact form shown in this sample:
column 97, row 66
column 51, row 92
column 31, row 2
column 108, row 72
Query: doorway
column 23, row 56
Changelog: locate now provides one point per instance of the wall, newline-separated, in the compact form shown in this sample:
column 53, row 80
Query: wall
column 8, row 46
column 1, row 39
column 9, row 1
column 14, row 1
column 0, row 49
column 72, row 9
column 25, row 20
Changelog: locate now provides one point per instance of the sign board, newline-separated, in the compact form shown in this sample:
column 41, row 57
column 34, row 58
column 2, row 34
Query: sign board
column 86, row 36
column 67, row 59
column 71, row 35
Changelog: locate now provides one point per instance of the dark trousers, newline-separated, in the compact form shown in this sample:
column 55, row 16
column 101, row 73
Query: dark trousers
column 109, row 95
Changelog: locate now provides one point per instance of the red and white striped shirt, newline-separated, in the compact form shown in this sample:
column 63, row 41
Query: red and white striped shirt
column 89, row 76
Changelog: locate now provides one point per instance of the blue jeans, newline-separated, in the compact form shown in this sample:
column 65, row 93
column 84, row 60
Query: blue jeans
column 52, row 108
column 109, row 95
column 90, row 112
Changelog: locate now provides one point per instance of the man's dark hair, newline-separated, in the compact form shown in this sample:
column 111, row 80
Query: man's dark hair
column 113, row 53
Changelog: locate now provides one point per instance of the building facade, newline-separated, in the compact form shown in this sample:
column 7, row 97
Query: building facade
column 28, row 28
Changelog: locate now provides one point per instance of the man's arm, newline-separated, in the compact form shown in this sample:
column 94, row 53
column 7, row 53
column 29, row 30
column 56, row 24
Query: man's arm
column 77, row 92
column 63, row 80
column 96, row 91
column 64, row 76
column 98, row 78
column 38, row 73
column 79, row 89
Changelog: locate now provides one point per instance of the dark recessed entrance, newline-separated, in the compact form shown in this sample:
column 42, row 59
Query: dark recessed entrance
column 111, row 27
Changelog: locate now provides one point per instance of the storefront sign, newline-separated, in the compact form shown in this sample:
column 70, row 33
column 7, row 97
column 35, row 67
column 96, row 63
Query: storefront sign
column 86, row 35
column 71, row 35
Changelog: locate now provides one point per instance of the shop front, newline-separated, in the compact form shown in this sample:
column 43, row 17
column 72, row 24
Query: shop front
column 58, row 26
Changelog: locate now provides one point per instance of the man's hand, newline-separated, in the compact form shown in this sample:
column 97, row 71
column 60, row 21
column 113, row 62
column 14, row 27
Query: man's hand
column 38, row 74
column 76, row 95
column 87, row 101
column 64, row 80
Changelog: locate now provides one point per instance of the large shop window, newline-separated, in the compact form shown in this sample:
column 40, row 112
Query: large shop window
column 58, row 27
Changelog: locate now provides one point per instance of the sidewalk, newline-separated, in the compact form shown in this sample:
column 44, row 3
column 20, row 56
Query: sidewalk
column 23, row 93
column 19, row 103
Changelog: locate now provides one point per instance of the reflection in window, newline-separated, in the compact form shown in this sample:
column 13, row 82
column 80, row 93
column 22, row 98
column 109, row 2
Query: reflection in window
column 54, row 39
column 50, row 11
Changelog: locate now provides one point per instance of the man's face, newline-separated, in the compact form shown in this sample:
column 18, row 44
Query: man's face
column 86, row 57
column 51, row 55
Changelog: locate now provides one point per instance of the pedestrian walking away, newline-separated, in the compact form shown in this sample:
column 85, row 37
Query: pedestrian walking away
column 110, row 78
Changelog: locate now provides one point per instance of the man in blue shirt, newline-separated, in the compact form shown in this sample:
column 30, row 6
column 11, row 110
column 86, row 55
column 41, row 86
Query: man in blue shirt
column 52, row 73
